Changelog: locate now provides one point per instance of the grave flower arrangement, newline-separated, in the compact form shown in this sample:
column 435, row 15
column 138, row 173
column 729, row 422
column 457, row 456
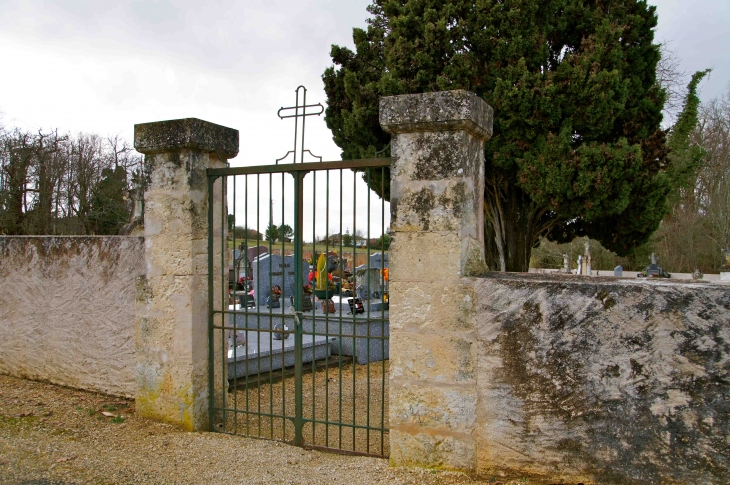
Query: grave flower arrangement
column 324, row 285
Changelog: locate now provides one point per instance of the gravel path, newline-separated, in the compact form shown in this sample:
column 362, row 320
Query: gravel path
column 54, row 435
column 351, row 395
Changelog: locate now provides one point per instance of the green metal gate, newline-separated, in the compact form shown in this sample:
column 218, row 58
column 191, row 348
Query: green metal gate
column 314, row 375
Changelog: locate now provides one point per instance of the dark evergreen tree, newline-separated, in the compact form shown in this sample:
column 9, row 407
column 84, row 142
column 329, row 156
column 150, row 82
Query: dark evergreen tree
column 577, row 147
column 109, row 210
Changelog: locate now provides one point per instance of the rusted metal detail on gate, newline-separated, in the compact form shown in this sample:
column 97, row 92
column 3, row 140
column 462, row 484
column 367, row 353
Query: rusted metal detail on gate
column 324, row 384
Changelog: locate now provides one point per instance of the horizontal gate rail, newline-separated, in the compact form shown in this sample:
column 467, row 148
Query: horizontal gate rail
column 360, row 163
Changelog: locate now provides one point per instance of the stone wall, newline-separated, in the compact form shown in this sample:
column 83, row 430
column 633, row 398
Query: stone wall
column 607, row 380
column 67, row 310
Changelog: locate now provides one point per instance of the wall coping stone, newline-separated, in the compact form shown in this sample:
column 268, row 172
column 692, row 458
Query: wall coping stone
column 186, row 133
column 440, row 111
column 572, row 279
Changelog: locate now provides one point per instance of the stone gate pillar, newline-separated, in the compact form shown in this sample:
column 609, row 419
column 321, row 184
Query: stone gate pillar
column 172, row 297
column 437, row 186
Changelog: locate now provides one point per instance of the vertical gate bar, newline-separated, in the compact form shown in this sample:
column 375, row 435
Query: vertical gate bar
column 245, row 289
column 382, row 321
column 314, row 263
column 367, row 413
column 235, row 317
column 224, row 338
column 271, row 310
column 257, row 296
column 284, row 336
column 298, row 236
column 354, row 340
column 211, row 346
column 339, row 336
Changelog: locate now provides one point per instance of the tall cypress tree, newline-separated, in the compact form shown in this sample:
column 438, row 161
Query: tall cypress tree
column 577, row 147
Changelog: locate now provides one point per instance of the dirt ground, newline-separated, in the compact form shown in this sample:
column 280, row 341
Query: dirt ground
column 51, row 435
column 350, row 396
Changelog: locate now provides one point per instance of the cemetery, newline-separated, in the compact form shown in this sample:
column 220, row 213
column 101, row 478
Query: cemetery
column 256, row 347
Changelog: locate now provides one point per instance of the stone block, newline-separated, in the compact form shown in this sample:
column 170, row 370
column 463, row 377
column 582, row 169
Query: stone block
column 435, row 205
column 187, row 133
column 432, row 306
column 425, row 257
column 432, row 357
column 439, row 111
column 442, row 155
column 410, row 446
column 439, row 407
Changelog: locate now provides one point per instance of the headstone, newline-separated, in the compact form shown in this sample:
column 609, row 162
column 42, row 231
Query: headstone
column 725, row 269
column 255, row 252
column 580, row 265
column 587, row 259
column 271, row 269
column 378, row 260
column 363, row 292
column 369, row 281
column 566, row 263
column 618, row 271
column 654, row 270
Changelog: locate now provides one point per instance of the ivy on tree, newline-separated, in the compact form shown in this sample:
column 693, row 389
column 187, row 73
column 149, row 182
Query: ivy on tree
column 577, row 147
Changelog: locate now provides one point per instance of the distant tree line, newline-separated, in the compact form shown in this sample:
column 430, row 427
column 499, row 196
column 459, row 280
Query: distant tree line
column 60, row 184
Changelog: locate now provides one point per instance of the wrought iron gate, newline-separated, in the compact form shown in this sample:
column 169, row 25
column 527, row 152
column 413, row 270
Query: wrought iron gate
column 310, row 369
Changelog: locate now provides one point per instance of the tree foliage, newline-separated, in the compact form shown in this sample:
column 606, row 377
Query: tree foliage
column 272, row 232
column 577, row 147
column 109, row 208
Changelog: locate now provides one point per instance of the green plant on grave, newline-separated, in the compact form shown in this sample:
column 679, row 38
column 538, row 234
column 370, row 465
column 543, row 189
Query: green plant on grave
column 322, row 272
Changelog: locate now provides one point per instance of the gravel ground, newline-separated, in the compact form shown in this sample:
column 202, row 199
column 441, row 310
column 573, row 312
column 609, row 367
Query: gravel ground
column 55, row 435
column 351, row 395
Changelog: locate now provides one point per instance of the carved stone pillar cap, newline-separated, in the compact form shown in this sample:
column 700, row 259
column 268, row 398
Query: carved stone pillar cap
column 187, row 133
column 440, row 111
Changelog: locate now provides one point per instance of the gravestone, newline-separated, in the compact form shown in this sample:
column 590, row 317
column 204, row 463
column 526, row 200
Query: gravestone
column 363, row 292
column 618, row 271
column 725, row 269
column 378, row 260
column 566, row 263
column 654, row 270
column 271, row 269
column 368, row 281
column 255, row 252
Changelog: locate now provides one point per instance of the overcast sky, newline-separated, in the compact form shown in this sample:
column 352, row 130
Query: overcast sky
column 102, row 66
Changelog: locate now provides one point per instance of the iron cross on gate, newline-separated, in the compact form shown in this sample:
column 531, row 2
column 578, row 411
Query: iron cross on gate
column 297, row 114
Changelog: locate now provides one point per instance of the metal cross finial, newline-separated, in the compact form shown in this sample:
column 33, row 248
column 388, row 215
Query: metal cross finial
column 300, row 111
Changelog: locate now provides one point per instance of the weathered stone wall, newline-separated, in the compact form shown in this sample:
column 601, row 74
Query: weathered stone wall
column 602, row 379
column 67, row 310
